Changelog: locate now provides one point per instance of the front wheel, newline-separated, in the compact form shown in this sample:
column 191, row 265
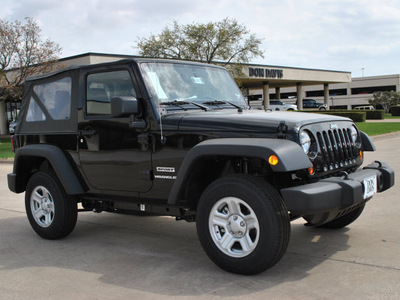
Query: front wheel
column 243, row 224
column 51, row 212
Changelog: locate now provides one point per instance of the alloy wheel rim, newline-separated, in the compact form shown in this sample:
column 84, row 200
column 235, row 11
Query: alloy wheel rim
column 234, row 227
column 42, row 206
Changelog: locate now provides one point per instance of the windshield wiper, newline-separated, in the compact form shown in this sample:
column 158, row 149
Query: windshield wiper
column 219, row 102
column 183, row 102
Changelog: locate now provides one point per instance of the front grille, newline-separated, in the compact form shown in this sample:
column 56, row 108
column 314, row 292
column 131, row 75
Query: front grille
column 335, row 149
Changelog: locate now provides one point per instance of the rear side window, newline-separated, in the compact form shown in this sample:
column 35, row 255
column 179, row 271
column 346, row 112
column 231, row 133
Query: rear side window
column 101, row 87
column 35, row 113
column 56, row 99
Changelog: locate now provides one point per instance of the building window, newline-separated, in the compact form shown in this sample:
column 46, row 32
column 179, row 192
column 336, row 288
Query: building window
column 12, row 110
column 338, row 92
column 288, row 95
column 320, row 93
column 372, row 89
column 311, row 94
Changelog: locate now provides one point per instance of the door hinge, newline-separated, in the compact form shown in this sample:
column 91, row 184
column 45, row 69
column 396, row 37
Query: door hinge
column 147, row 175
column 144, row 141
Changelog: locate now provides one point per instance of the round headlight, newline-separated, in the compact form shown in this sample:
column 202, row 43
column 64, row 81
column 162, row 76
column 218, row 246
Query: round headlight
column 305, row 141
column 354, row 134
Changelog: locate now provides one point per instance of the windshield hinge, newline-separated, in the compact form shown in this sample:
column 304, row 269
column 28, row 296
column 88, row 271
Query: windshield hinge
column 136, row 123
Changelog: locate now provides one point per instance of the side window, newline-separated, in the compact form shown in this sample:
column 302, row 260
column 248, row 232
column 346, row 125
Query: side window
column 35, row 113
column 101, row 87
column 56, row 98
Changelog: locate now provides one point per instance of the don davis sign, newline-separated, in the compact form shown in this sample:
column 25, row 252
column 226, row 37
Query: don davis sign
column 268, row 73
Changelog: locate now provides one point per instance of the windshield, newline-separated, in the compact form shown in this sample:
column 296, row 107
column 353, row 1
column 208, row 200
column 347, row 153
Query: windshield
column 172, row 83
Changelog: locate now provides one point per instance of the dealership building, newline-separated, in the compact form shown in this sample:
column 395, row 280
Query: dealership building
column 334, row 88
column 343, row 95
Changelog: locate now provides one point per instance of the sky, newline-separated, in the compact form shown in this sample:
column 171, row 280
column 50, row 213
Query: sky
column 357, row 36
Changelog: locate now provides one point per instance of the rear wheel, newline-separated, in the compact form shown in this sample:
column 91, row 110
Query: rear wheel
column 243, row 224
column 51, row 213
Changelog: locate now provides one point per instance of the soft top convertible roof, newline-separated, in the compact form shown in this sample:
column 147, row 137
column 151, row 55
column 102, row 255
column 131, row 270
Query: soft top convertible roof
column 117, row 62
column 75, row 67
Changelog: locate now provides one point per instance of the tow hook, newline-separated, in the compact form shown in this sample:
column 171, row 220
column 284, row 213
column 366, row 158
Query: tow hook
column 345, row 174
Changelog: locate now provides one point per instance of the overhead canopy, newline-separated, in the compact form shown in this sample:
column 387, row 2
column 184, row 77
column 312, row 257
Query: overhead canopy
column 277, row 76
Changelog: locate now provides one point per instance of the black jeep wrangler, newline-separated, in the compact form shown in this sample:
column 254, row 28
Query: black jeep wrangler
column 178, row 139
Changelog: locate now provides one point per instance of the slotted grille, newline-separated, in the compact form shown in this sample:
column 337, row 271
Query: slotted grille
column 337, row 148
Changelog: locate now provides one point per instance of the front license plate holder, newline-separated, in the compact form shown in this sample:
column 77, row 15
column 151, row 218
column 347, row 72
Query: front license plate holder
column 370, row 186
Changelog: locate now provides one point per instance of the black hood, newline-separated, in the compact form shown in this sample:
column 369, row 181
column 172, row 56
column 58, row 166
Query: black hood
column 246, row 121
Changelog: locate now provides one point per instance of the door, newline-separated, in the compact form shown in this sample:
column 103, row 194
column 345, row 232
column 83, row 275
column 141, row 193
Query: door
column 113, row 156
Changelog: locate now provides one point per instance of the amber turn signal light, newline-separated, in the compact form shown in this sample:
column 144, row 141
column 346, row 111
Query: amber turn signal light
column 311, row 171
column 361, row 155
column 273, row 160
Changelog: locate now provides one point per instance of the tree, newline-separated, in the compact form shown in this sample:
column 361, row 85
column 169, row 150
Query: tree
column 385, row 99
column 226, row 42
column 23, row 53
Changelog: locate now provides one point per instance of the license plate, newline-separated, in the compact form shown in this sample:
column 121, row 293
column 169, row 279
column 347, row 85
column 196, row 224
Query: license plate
column 369, row 187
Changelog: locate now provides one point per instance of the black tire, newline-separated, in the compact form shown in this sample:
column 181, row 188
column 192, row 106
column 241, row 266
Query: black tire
column 252, row 220
column 51, row 212
column 345, row 220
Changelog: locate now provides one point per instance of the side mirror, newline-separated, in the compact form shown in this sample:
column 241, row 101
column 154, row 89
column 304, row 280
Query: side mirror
column 124, row 107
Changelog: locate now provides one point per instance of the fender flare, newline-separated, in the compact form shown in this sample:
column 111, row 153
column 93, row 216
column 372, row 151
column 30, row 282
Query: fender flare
column 291, row 157
column 367, row 143
column 58, row 161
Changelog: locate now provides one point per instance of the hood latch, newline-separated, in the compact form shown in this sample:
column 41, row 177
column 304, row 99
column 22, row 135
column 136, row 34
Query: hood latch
column 282, row 130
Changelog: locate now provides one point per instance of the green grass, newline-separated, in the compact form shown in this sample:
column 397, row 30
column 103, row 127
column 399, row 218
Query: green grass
column 5, row 149
column 379, row 128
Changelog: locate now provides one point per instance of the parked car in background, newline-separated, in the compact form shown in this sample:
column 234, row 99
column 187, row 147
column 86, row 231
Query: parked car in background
column 280, row 105
column 366, row 107
column 273, row 105
column 311, row 103
column 11, row 127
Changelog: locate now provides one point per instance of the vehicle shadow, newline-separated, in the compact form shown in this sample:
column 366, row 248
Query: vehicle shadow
column 156, row 255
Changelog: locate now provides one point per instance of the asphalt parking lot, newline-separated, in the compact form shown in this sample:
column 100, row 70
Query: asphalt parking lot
column 111, row 256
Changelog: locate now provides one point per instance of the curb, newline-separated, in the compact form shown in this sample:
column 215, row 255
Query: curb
column 385, row 135
column 6, row 161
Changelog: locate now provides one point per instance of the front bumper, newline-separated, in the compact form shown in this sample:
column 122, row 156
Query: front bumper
column 336, row 193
